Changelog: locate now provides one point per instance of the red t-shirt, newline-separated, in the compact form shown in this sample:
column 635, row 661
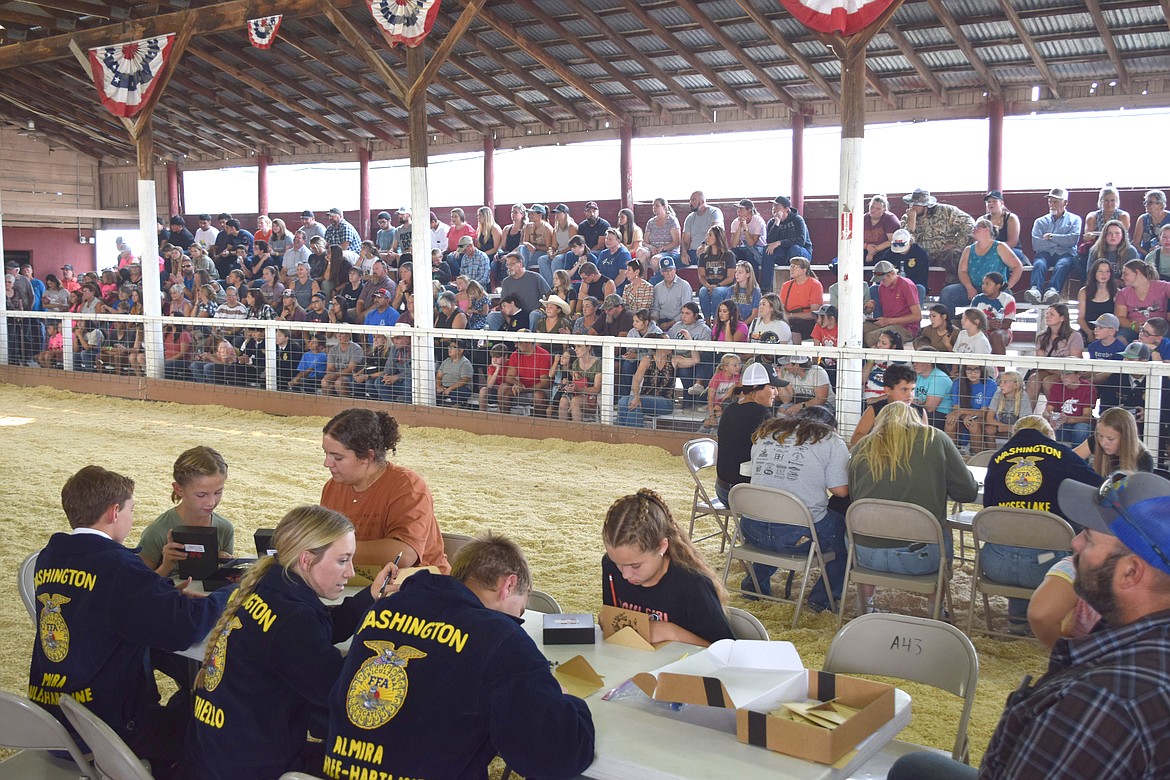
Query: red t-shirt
column 456, row 233
column 1072, row 401
column 530, row 369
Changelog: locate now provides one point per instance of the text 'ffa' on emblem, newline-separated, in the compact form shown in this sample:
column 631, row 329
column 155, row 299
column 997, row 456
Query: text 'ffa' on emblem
column 213, row 671
column 379, row 688
column 54, row 632
column 1025, row 477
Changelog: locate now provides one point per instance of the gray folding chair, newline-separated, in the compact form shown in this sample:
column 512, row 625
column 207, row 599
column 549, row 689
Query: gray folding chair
column 910, row 648
column 452, row 543
column 111, row 757
column 1016, row 528
column 772, row 505
column 897, row 521
column 745, row 625
column 540, row 601
column 960, row 519
column 24, row 582
column 699, row 455
column 29, row 728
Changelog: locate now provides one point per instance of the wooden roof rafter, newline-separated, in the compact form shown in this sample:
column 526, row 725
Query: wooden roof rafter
column 1030, row 46
column 69, row 134
column 790, row 50
column 960, row 39
column 242, row 127
column 1106, row 33
column 911, row 55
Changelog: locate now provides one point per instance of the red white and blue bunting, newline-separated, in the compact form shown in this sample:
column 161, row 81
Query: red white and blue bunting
column 836, row 16
column 262, row 31
column 126, row 74
column 404, row 21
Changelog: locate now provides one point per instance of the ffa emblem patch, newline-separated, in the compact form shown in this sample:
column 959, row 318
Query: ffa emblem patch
column 54, row 633
column 1024, row 478
column 379, row 688
column 213, row 671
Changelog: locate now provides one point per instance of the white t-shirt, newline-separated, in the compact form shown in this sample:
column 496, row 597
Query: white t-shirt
column 779, row 327
column 805, row 387
column 807, row 471
column 972, row 345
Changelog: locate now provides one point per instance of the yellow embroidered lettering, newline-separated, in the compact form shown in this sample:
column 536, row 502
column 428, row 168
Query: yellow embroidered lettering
column 206, row 712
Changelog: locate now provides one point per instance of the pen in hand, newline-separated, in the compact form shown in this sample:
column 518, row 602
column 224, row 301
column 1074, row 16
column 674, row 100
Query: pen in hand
column 389, row 576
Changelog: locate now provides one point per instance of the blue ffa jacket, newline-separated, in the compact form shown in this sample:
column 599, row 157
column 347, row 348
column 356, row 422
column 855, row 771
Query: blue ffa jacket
column 99, row 610
column 1026, row 473
column 436, row 684
column 268, row 684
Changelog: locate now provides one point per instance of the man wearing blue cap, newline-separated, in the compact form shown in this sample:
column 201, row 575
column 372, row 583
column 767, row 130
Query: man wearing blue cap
column 1103, row 708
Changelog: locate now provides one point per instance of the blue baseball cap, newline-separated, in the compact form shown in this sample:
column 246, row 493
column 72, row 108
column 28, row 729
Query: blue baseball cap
column 1142, row 522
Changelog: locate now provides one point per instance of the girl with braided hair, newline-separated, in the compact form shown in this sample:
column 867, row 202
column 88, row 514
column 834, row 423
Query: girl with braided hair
column 651, row 566
column 270, row 660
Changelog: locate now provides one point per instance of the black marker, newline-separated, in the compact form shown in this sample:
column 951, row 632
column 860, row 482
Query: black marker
column 389, row 576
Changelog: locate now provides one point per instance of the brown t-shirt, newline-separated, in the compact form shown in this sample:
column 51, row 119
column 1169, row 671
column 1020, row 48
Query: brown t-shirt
column 397, row 506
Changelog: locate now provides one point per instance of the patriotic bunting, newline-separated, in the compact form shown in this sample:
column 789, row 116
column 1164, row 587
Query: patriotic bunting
column 126, row 74
column 404, row 21
column 836, row 16
column 262, row 31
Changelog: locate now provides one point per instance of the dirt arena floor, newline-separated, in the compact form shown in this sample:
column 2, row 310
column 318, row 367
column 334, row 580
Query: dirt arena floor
column 550, row 496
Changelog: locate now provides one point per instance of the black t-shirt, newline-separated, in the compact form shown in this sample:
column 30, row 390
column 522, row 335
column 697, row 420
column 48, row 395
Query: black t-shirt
column 1026, row 473
column 736, row 426
column 683, row 597
column 1145, row 462
column 349, row 295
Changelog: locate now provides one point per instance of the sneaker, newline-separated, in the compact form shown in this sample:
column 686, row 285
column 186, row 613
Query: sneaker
column 750, row 587
column 1033, row 295
column 696, row 389
column 1051, row 296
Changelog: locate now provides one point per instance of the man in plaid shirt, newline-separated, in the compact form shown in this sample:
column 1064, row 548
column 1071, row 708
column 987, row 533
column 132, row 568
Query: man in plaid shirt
column 1102, row 711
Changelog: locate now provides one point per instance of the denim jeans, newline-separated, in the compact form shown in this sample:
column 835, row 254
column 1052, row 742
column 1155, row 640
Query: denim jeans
column 780, row 257
column 787, row 539
column 1061, row 264
column 750, row 254
column 915, row 559
column 709, row 300
column 547, row 265
column 954, row 297
column 1072, row 434
column 1021, row 566
column 399, row 392
column 461, row 395
column 651, row 406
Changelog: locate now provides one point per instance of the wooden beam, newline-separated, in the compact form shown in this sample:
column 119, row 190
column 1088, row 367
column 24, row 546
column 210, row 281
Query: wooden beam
column 521, row 103
column 735, row 50
column 35, row 20
column 927, row 75
column 246, row 129
column 959, row 37
column 232, row 15
column 444, row 50
column 264, row 89
column 1106, row 34
column 100, row 10
column 362, row 48
column 669, row 40
column 1166, row 10
column 69, row 212
column 95, row 126
column 1030, row 46
column 668, row 81
column 508, row 30
column 67, row 134
column 879, row 86
column 791, row 51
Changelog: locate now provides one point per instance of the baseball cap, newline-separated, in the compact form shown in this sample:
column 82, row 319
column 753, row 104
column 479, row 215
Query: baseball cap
column 799, row 360
column 1131, row 507
column 781, row 200
column 537, row 208
column 561, row 209
column 612, row 301
column 380, row 293
column 1106, row 321
column 207, row 217
column 827, row 310
column 67, row 267
column 883, row 267
column 320, row 296
column 11, row 264
column 306, row 213
column 288, row 294
column 900, row 243
column 403, row 210
column 1137, row 351
column 336, row 211
column 465, row 241
column 756, row 375
column 747, row 204
column 1058, row 192
column 591, row 205
column 666, row 262
column 993, row 195
column 383, row 215
column 177, row 220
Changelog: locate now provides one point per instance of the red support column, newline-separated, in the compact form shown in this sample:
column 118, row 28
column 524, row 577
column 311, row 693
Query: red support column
column 262, row 183
column 995, row 145
column 489, row 172
column 364, row 193
column 798, row 162
column 627, row 167
column 174, row 205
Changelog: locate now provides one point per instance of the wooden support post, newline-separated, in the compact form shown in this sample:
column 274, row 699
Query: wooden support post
column 143, row 138
column 173, row 204
column 489, row 171
column 4, row 356
column 995, row 145
column 423, row 382
column 627, row 166
column 363, row 226
column 262, row 161
column 798, row 161
column 851, row 213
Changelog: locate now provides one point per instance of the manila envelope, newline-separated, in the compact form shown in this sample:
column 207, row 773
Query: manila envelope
column 578, row 677
column 625, row 627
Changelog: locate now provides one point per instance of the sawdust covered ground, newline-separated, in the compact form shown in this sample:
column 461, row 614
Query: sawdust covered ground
column 549, row 495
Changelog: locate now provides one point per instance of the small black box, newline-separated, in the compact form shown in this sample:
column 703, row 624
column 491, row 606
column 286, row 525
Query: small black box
column 263, row 537
column 569, row 629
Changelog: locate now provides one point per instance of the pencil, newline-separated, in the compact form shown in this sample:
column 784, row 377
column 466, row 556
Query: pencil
column 612, row 591
column 390, row 576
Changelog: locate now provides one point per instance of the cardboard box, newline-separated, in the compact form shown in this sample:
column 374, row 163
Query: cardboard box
column 731, row 673
column 569, row 629
column 875, row 702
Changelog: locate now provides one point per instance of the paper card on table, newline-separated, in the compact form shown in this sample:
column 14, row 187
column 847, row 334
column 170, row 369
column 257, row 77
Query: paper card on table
column 614, row 619
column 578, row 677
column 628, row 637
column 410, row 570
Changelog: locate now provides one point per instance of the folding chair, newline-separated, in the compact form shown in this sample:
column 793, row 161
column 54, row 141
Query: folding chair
column 898, row 521
column 699, row 454
column 30, row 729
column 960, row 520
column 452, row 543
column 540, row 601
column 909, row 648
column 772, row 505
column 111, row 756
column 24, row 582
column 745, row 625
column 1016, row 528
